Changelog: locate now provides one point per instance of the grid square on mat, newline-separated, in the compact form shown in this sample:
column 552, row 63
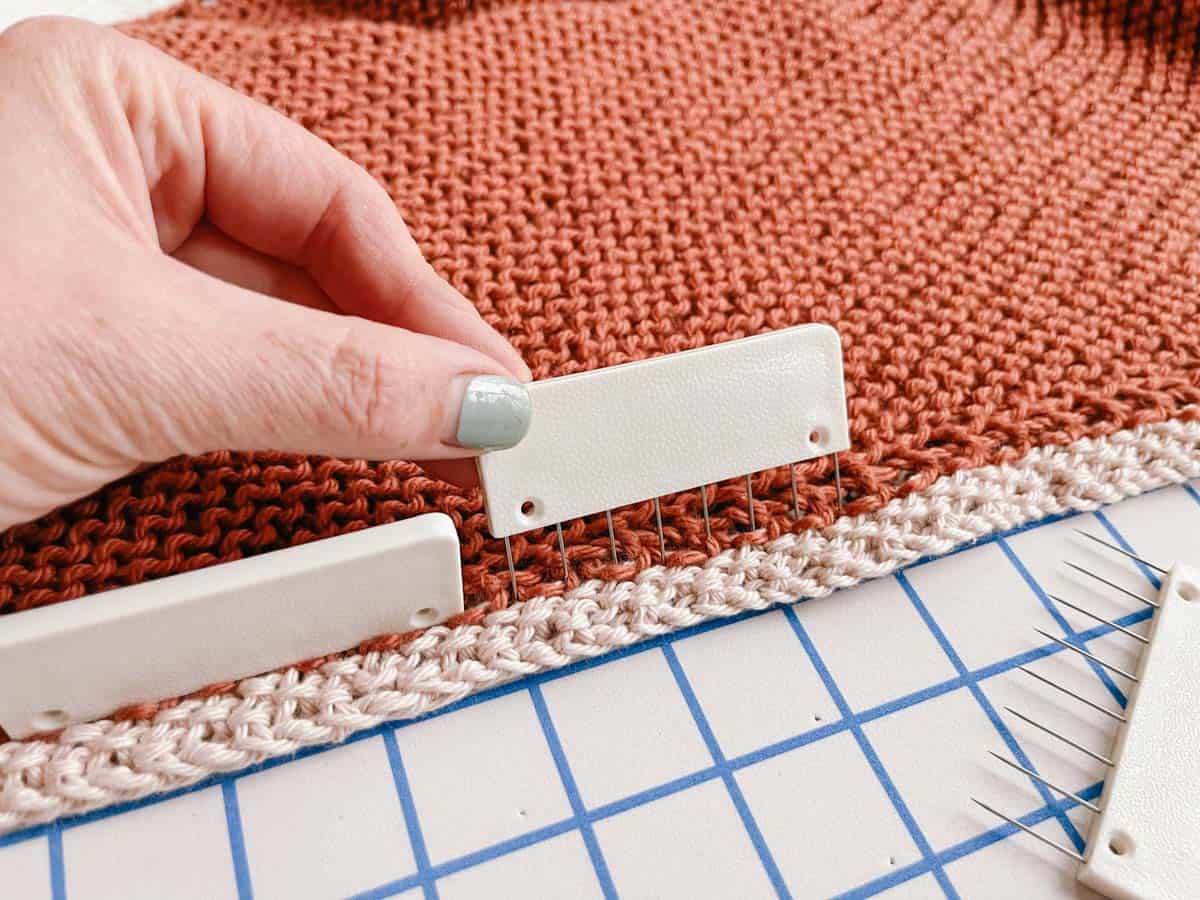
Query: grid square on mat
column 327, row 824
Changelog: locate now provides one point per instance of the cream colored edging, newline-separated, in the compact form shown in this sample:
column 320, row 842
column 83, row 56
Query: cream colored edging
column 106, row 762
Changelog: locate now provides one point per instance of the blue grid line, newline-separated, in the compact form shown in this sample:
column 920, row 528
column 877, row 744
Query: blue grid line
column 572, row 790
column 471, row 860
column 505, row 847
column 778, row 748
column 722, row 765
column 58, row 875
column 873, row 760
column 1070, row 635
column 1124, row 544
column 1191, row 491
column 985, row 704
column 237, row 840
column 411, row 822
column 658, row 792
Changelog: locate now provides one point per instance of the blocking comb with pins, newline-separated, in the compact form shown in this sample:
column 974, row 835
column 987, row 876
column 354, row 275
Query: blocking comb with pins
column 635, row 432
column 1145, row 841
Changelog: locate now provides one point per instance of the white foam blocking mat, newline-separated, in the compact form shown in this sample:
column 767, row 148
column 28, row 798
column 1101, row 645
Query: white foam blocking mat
column 829, row 748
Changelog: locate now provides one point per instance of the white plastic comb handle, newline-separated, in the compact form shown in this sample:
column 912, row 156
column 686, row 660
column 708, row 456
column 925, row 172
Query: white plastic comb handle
column 77, row 661
column 616, row 436
column 1146, row 843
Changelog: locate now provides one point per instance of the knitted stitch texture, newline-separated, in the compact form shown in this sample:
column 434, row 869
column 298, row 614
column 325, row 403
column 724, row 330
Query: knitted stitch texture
column 996, row 203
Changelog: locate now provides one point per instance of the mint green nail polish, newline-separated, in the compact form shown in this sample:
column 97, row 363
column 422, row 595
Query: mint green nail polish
column 495, row 414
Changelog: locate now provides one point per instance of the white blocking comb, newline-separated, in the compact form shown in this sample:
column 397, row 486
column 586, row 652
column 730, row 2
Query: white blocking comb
column 1145, row 842
column 78, row 661
column 634, row 432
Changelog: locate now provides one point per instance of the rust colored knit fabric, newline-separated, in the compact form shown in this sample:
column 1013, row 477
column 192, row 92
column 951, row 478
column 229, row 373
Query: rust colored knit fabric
column 998, row 205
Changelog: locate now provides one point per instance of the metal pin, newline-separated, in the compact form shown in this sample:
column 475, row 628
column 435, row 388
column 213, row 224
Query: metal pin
column 662, row 541
column 1097, row 660
column 512, row 571
column 1113, row 585
column 750, row 502
column 837, row 477
column 1092, row 615
column 1071, row 693
column 795, row 493
column 1025, row 828
column 1050, row 784
column 1066, row 740
column 612, row 536
column 1123, row 552
column 704, row 506
column 562, row 551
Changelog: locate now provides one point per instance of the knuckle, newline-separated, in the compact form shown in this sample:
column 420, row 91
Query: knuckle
column 45, row 33
column 357, row 392
column 50, row 54
column 359, row 386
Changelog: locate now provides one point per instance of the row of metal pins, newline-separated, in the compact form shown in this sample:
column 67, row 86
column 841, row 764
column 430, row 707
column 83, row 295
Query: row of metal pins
column 1104, row 760
column 1103, row 543
column 1113, row 585
column 837, row 475
column 1046, row 781
column 1050, row 842
column 662, row 540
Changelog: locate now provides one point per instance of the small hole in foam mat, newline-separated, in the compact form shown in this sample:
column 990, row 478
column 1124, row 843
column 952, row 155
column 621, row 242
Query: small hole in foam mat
column 51, row 719
column 424, row 617
column 1189, row 591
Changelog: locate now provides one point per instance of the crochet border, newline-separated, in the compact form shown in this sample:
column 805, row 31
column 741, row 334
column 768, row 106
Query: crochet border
column 102, row 763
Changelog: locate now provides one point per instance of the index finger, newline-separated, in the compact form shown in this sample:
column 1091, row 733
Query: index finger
column 270, row 184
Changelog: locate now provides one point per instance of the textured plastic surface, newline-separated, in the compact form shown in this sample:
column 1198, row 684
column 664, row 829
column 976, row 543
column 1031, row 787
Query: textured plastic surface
column 1146, row 843
column 78, row 661
column 615, row 436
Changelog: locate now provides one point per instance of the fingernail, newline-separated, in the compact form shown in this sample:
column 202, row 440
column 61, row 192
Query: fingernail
column 495, row 414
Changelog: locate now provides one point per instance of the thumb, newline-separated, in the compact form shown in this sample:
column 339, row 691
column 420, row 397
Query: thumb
column 243, row 371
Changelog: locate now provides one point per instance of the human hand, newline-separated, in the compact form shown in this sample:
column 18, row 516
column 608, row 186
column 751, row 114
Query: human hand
column 185, row 270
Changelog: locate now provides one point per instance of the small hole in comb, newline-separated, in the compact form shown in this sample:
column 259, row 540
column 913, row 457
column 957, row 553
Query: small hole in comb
column 1189, row 592
column 816, row 437
column 528, row 508
column 51, row 720
column 1120, row 844
column 424, row 617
